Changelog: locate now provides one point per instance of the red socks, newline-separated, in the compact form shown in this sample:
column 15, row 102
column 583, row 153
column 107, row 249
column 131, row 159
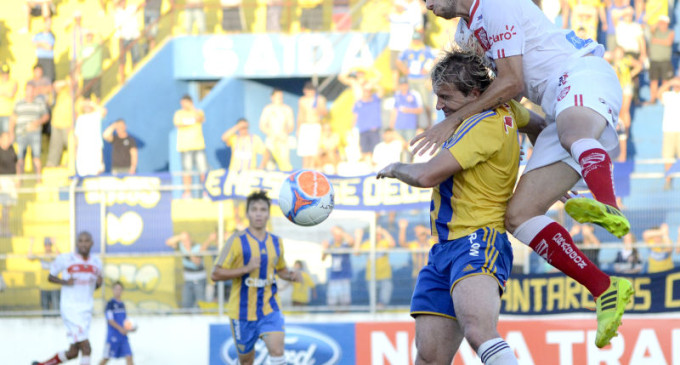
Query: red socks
column 596, row 169
column 556, row 246
column 53, row 361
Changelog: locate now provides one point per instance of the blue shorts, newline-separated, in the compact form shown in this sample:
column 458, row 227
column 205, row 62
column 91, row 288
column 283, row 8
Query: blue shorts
column 246, row 333
column 483, row 252
column 117, row 347
column 29, row 139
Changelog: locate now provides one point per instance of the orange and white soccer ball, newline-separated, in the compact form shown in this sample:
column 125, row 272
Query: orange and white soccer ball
column 129, row 324
column 306, row 197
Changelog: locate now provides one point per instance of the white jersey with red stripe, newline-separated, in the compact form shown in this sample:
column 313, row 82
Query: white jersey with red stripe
column 505, row 29
column 79, row 296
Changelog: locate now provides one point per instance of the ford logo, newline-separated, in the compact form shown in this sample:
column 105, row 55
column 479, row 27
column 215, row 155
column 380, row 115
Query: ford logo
column 303, row 346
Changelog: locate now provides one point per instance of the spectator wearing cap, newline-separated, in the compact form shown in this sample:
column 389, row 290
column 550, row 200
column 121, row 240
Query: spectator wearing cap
column 407, row 107
column 8, row 91
column 660, row 52
column 92, row 57
column 44, row 50
column 124, row 153
column 25, row 124
column 368, row 121
column 416, row 63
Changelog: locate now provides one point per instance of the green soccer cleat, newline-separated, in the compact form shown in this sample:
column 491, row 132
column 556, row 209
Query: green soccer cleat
column 585, row 210
column 610, row 307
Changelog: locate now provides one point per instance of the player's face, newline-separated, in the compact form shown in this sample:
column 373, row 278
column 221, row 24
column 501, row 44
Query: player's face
column 450, row 99
column 443, row 8
column 258, row 214
column 84, row 244
column 117, row 291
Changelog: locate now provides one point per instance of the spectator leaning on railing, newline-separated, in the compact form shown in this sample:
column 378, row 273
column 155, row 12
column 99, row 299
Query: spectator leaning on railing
column 194, row 269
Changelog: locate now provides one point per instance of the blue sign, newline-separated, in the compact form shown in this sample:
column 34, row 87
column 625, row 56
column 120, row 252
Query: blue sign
column 136, row 210
column 351, row 193
column 274, row 55
column 321, row 344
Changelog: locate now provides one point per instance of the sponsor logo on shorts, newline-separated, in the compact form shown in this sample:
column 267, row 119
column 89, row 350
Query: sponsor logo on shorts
column 474, row 246
column 302, row 346
column 569, row 250
column 563, row 93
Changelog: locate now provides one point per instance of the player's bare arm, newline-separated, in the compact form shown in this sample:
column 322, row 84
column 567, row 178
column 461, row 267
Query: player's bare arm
column 100, row 281
column 534, row 127
column 289, row 275
column 220, row 273
column 507, row 85
column 60, row 281
column 423, row 175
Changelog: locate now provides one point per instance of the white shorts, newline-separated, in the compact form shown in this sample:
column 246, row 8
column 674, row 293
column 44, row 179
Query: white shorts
column 339, row 292
column 308, row 140
column 587, row 81
column 77, row 325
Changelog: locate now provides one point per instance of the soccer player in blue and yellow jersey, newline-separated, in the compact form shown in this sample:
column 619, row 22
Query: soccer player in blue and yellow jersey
column 457, row 292
column 117, row 345
column 252, row 259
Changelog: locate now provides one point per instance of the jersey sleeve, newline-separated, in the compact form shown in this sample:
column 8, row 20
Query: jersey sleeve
column 281, row 263
column 502, row 29
column 58, row 265
column 109, row 310
column 520, row 113
column 476, row 140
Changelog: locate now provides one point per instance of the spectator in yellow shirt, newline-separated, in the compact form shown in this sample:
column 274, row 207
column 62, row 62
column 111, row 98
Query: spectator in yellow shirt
column 383, row 271
column 302, row 288
column 420, row 244
column 190, row 143
column 661, row 249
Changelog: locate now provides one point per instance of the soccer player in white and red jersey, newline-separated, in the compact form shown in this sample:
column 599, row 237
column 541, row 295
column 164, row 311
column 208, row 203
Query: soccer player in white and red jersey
column 81, row 275
column 581, row 96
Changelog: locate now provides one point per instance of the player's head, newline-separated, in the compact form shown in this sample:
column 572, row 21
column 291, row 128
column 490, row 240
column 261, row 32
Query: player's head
column 257, row 209
column 309, row 89
column 458, row 78
column 117, row 289
column 186, row 102
column 84, row 243
column 277, row 96
column 448, row 9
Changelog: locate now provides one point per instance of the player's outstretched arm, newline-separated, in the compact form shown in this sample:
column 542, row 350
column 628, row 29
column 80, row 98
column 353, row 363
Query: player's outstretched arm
column 56, row 280
column 289, row 275
column 423, row 175
column 508, row 83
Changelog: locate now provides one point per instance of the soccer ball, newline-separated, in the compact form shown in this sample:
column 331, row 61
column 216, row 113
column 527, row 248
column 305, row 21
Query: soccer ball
column 306, row 197
column 129, row 325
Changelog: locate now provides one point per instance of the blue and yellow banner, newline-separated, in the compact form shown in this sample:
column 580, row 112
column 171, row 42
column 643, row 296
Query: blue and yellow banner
column 351, row 193
column 555, row 293
column 137, row 212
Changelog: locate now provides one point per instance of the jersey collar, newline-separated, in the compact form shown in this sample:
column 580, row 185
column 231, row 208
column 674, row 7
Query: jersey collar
column 256, row 239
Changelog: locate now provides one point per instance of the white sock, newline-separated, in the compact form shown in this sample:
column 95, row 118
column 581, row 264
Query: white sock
column 531, row 228
column 496, row 352
column 84, row 360
column 583, row 145
column 277, row 360
column 62, row 356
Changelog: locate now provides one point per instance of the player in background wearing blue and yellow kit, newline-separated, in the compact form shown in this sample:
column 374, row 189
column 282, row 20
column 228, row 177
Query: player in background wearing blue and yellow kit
column 251, row 259
column 457, row 294
column 117, row 345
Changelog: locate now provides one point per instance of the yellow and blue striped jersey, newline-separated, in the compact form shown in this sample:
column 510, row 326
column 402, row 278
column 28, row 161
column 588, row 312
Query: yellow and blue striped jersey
column 253, row 296
column 486, row 146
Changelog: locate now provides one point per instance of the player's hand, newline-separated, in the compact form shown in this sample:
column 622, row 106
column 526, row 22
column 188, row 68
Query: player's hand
column 568, row 195
column 123, row 331
column 388, row 171
column 253, row 264
column 433, row 138
column 295, row 276
column 70, row 282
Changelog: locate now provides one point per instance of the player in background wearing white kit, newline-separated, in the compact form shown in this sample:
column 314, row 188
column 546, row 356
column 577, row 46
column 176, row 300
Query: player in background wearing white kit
column 581, row 96
column 81, row 275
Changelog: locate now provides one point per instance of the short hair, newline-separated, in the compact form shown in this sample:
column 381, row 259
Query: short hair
column 187, row 97
column 309, row 86
column 118, row 282
column 242, row 119
column 85, row 233
column 37, row 65
column 276, row 90
column 258, row 195
column 120, row 120
column 467, row 71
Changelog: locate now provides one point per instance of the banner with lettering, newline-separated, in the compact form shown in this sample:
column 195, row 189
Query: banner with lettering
column 351, row 193
column 136, row 210
column 537, row 294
